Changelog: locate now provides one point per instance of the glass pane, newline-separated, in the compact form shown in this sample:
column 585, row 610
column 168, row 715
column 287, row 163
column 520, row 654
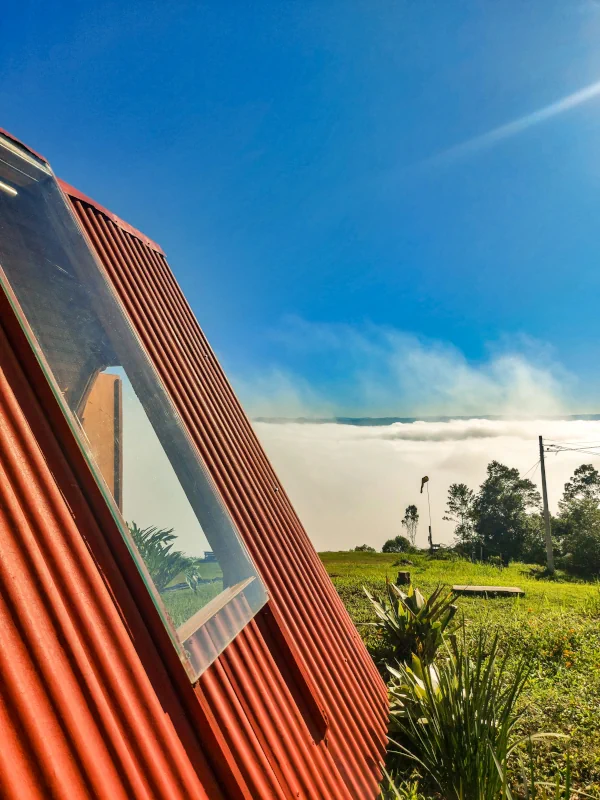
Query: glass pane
column 184, row 542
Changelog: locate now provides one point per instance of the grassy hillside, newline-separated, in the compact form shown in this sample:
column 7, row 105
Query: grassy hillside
column 557, row 623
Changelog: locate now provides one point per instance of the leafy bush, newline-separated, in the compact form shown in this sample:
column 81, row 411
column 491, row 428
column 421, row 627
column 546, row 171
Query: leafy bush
column 456, row 720
column 364, row 548
column 399, row 544
column 412, row 624
column 445, row 554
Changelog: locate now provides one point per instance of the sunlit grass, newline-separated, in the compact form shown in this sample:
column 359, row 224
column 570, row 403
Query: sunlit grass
column 557, row 624
column 184, row 603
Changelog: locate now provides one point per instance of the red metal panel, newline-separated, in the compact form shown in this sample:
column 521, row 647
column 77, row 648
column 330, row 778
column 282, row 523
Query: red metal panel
column 86, row 709
column 73, row 192
column 252, row 702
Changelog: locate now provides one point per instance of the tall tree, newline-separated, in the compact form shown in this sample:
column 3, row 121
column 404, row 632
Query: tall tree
column 583, row 485
column 411, row 523
column 502, row 507
column 460, row 510
column 578, row 523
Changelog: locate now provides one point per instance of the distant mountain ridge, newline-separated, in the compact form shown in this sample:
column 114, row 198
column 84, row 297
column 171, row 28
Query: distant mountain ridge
column 383, row 421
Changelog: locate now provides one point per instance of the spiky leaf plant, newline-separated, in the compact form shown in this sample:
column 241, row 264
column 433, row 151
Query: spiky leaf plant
column 411, row 623
column 456, row 719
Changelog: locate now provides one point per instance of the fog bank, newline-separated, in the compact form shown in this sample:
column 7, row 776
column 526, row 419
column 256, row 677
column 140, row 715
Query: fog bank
column 350, row 485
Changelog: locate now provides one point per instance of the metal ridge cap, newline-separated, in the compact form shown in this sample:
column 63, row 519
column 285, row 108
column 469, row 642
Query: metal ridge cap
column 74, row 193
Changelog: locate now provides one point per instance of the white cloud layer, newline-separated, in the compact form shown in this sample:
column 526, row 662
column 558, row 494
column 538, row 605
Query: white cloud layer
column 379, row 371
column 350, row 485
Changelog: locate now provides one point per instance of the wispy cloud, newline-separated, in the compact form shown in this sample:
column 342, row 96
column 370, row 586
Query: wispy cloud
column 279, row 393
column 371, row 370
column 517, row 126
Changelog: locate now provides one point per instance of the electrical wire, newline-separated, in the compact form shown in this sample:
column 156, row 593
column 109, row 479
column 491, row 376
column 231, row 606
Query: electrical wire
column 531, row 468
column 591, row 450
column 573, row 448
column 579, row 443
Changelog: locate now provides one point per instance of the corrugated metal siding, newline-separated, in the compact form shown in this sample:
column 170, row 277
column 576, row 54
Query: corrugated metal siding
column 84, row 712
column 253, row 704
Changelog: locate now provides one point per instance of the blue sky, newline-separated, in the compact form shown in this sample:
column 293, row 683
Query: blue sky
column 301, row 163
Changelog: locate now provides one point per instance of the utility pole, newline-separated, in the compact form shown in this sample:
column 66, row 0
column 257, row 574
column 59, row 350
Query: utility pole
column 424, row 481
column 549, row 553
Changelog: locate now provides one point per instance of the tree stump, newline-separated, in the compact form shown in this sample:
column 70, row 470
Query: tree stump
column 403, row 578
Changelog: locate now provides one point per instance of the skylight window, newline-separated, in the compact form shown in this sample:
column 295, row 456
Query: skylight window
column 183, row 541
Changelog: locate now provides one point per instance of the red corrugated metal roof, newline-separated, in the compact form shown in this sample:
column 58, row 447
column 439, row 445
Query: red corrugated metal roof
column 84, row 712
column 294, row 707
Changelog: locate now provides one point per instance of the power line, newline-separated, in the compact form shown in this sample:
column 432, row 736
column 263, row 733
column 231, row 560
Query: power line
column 590, row 450
column 580, row 443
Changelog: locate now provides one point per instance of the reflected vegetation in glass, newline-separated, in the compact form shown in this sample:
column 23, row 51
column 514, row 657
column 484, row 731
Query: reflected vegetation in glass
column 185, row 583
column 184, row 542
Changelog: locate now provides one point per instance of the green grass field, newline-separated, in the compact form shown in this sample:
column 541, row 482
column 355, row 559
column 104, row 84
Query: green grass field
column 183, row 604
column 557, row 624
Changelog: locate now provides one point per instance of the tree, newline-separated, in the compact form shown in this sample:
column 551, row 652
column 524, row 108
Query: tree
column 163, row 563
column 501, row 509
column 534, row 540
column 579, row 524
column 399, row 544
column 584, row 485
column 411, row 523
column 364, row 548
column 459, row 509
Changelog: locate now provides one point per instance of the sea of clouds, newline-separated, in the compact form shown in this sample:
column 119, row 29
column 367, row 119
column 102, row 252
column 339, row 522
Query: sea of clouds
column 350, row 485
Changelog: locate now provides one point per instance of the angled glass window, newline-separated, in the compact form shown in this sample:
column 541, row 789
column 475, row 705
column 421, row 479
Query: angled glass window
column 182, row 539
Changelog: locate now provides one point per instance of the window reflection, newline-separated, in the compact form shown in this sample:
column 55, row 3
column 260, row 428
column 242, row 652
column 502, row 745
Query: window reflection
column 186, row 547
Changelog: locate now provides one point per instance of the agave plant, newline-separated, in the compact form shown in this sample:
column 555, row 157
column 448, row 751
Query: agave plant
column 163, row 563
column 412, row 624
column 456, row 719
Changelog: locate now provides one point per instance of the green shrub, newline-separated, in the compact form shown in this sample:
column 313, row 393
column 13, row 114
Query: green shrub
column 410, row 623
column 456, row 719
column 399, row 544
column 445, row 554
